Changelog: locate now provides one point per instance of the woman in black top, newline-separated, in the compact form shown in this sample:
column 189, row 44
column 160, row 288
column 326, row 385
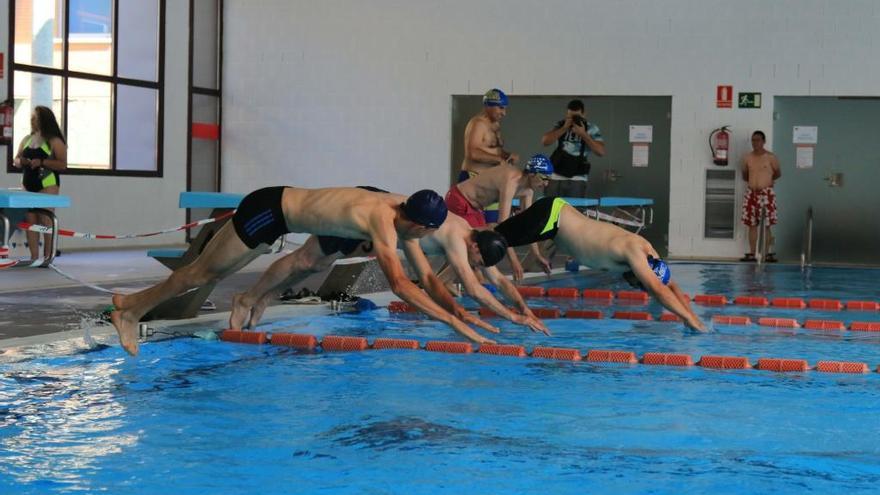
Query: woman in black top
column 41, row 155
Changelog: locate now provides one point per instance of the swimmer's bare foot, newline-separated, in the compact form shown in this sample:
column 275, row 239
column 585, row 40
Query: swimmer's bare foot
column 257, row 311
column 127, row 330
column 239, row 313
column 118, row 301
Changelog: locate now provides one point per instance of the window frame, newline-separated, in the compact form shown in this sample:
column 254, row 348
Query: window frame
column 113, row 79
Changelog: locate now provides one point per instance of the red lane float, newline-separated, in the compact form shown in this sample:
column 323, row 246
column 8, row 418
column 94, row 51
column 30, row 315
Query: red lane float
column 563, row 292
column 824, row 325
column 530, row 291
column 667, row 359
column 632, row 315
column 826, row 304
column 710, row 299
column 503, row 350
column 779, row 322
column 841, row 367
column 731, row 320
column 450, row 347
column 751, row 301
column 725, row 362
column 633, row 295
column 865, row 326
column 298, row 340
column 384, row 343
column 788, row 302
column 340, row 343
column 782, row 365
column 583, row 313
column 241, row 337
column 546, row 312
column 401, row 307
column 559, row 353
column 608, row 356
column 670, row 317
column 598, row 294
column 862, row 306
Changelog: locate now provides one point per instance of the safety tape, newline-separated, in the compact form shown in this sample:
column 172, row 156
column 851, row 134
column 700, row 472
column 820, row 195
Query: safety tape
column 85, row 235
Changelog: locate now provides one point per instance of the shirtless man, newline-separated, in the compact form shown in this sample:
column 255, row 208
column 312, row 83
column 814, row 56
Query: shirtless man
column 483, row 146
column 502, row 184
column 266, row 214
column 465, row 249
column 760, row 168
column 602, row 246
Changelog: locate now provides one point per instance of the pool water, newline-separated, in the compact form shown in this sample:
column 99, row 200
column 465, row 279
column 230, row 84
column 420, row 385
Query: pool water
column 198, row 416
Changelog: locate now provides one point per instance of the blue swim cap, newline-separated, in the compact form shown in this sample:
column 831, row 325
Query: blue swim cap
column 426, row 208
column 660, row 268
column 495, row 98
column 539, row 164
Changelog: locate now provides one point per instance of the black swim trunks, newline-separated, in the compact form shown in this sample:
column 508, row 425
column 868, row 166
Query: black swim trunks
column 260, row 218
column 331, row 244
column 538, row 223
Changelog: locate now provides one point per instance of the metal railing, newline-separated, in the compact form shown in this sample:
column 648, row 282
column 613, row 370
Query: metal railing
column 807, row 244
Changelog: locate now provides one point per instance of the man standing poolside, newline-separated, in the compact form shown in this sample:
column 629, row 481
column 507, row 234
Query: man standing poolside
column 483, row 146
column 760, row 169
column 266, row 214
column 602, row 246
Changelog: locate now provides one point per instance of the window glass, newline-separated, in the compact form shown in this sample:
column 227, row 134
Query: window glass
column 138, row 39
column 91, row 36
column 32, row 90
column 136, row 128
column 38, row 25
column 88, row 124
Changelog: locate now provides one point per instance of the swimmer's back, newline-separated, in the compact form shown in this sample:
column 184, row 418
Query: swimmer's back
column 338, row 211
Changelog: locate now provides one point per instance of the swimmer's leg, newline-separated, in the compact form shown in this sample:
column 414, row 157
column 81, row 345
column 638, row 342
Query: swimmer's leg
column 286, row 271
column 225, row 254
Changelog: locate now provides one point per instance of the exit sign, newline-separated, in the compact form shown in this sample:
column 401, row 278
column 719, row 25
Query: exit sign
column 749, row 100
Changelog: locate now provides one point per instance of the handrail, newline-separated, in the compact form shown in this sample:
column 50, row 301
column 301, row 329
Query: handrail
column 761, row 247
column 807, row 244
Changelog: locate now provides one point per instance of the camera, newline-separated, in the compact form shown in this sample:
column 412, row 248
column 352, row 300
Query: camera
column 578, row 120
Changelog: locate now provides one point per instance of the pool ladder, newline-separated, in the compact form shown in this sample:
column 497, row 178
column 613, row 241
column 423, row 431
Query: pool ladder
column 807, row 244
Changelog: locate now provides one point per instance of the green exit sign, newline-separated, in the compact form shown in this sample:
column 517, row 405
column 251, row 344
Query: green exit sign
column 749, row 100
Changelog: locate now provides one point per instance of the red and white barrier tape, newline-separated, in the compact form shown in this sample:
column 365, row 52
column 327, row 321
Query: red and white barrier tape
column 85, row 235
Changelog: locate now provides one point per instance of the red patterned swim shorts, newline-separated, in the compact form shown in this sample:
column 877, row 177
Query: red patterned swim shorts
column 754, row 201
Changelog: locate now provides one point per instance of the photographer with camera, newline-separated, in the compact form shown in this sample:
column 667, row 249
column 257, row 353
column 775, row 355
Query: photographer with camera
column 575, row 139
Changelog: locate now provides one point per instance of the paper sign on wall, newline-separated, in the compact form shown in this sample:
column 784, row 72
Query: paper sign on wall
column 805, row 134
column 640, row 155
column 804, row 155
column 641, row 133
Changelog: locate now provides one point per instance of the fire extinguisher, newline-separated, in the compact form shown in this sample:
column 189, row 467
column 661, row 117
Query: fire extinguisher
column 719, row 143
column 5, row 122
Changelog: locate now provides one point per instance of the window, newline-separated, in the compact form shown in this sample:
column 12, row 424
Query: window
column 98, row 65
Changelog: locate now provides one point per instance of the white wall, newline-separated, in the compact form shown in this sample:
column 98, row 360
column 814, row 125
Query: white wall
column 116, row 205
column 344, row 92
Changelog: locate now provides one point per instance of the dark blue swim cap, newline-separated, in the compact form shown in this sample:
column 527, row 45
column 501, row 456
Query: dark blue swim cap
column 495, row 98
column 492, row 245
column 426, row 208
column 539, row 164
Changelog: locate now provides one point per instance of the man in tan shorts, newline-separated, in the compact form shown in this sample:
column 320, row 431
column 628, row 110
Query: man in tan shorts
column 760, row 169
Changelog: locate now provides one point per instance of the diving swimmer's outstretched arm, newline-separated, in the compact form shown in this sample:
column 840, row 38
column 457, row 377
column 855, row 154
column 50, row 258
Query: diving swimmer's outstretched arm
column 666, row 295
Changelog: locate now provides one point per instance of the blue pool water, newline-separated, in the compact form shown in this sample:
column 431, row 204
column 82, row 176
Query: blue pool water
column 191, row 416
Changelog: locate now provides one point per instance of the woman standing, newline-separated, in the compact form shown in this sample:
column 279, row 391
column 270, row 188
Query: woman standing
column 41, row 155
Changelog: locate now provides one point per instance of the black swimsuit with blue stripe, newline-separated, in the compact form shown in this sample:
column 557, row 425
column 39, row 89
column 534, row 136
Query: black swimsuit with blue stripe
column 259, row 217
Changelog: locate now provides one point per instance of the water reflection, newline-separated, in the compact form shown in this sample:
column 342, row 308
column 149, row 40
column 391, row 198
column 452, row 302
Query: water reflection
column 56, row 421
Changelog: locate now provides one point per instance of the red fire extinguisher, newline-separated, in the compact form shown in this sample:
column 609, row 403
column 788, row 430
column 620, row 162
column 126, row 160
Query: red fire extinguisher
column 5, row 122
column 719, row 143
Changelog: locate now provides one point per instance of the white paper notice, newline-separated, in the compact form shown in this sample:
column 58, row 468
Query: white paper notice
column 640, row 155
column 804, row 156
column 641, row 133
column 805, row 134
